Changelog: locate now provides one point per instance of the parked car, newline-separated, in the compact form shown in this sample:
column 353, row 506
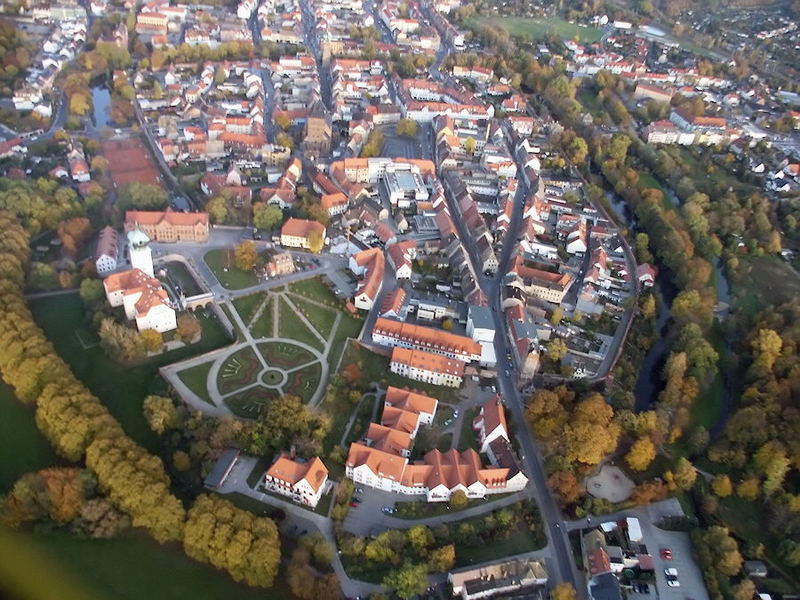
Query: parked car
column 672, row 577
column 666, row 554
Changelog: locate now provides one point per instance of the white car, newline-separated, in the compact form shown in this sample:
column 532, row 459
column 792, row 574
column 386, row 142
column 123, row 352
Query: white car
column 672, row 577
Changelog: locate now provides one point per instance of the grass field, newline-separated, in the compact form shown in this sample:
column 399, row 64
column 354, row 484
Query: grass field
column 232, row 278
column 134, row 566
column 196, row 379
column 467, row 439
column 303, row 383
column 292, row 328
column 539, row 29
column 321, row 318
column 263, row 326
column 250, row 403
column 27, row 449
column 239, row 370
column 315, row 289
column 589, row 101
column 769, row 281
column 246, row 306
column 121, row 388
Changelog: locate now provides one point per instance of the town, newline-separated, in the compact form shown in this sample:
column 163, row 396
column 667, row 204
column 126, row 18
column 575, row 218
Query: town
column 414, row 299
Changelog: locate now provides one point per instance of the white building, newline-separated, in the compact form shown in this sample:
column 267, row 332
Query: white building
column 143, row 298
column 302, row 481
column 141, row 254
column 107, row 252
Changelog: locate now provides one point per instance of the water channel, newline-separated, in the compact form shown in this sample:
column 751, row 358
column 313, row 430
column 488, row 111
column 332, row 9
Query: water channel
column 101, row 106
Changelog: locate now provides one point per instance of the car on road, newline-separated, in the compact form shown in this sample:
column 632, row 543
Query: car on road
column 672, row 577
column 666, row 554
column 354, row 504
column 359, row 490
column 388, row 510
column 508, row 373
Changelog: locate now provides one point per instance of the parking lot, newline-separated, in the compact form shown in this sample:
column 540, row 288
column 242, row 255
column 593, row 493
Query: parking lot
column 367, row 518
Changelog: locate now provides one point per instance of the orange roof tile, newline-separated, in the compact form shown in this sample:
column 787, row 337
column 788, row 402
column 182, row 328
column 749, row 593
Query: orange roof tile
column 293, row 471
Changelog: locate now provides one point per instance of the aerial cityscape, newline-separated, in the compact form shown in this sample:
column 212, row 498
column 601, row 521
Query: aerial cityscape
column 378, row 299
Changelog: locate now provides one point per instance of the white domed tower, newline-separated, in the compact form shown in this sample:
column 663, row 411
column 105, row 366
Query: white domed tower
column 140, row 252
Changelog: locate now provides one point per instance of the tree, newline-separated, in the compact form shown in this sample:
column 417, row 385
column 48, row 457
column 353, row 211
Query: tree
column 773, row 461
column 152, row 340
column 217, row 209
column 245, row 255
column 91, row 291
column 683, row 476
column 189, row 328
column 285, row 140
column 470, row 145
column 121, row 342
column 563, row 591
column 458, row 500
column 181, row 461
column 748, row 489
column 407, row 128
column 315, row 242
column 267, row 216
column 724, row 549
column 641, row 454
column 744, row 590
column 558, row 314
column 442, row 559
column 592, row 433
column 408, row 581
column 43, row 276
column 557, row 350
column 100, row 520
column 160, row 413
column 419, row 538
column 722, row 486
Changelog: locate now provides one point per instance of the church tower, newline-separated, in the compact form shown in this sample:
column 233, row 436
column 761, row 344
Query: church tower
column 140, row 252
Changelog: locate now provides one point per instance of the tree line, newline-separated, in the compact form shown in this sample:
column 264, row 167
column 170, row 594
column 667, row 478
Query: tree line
column 80, row 427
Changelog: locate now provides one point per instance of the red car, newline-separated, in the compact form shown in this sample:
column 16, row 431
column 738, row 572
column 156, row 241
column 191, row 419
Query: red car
column 666, row 554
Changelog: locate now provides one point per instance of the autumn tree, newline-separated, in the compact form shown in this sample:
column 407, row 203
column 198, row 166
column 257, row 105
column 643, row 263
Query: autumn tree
column 458, row 500
column 408, row 581
column 55, row 494
column 563, row 591
column 442, row 559
column 641, row 454
column 683, row 476
column 217, row 208
column 724, row 549
column 649, row 491
column 246, row 546
column 591, row 433
column 315, row 242
column 245, row 255
column 722, row 486
column 406, row 128
column 121, row 342
column 160, row 413
column 152, row 340
column 188, row 327
column 470, row 145
column 267, row 216
column 557, row 349
column 91, row 291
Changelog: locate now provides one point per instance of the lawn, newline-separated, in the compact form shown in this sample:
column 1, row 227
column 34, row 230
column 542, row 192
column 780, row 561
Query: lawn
column 467, row 439
column 588, row 99
column 315, row 289
column 284, row 355
column 769, row 281
column 246, row 306
column 349, row 327
column 121, row 388
column 424, row 510
column 26, row 448
column 292, row 328
column 321, row 318
column 539, row 29
column 220, row 262
column 196, row 379
column 130, row 567
column 373, row 366
column 263, row 326
column 520, row 541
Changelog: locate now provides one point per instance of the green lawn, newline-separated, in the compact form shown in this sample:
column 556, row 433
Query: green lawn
column 539, row 29
column 520, row 541
column 292, row 328
column 122, row 388
column 321, row 318
column 226, row 309
column 588, row 99
column 263, row 327
column 220, row 262
column 133, row 567
column 769, row 281
column 246, row 306
column 304, row 383
column 467, row 439
column 424, row 510
column 373, row 366
column 196, row 379
column 26, row 448
column 315, row 289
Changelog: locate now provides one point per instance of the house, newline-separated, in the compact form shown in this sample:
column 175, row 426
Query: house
column 281, row 263
column 371, row 264
column 143, row 298
column 503, row 577
column 299, row 233
column 302, row 481
column 645, row 274
column 480, row 324
column 490, row 424
column 433, row 369
column 107, row 251
column 334, row 204
column 388, row 332
column 169, row 226
column 419, row 404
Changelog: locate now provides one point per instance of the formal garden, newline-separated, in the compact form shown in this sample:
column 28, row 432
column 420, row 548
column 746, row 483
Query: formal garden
column 294, row 337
